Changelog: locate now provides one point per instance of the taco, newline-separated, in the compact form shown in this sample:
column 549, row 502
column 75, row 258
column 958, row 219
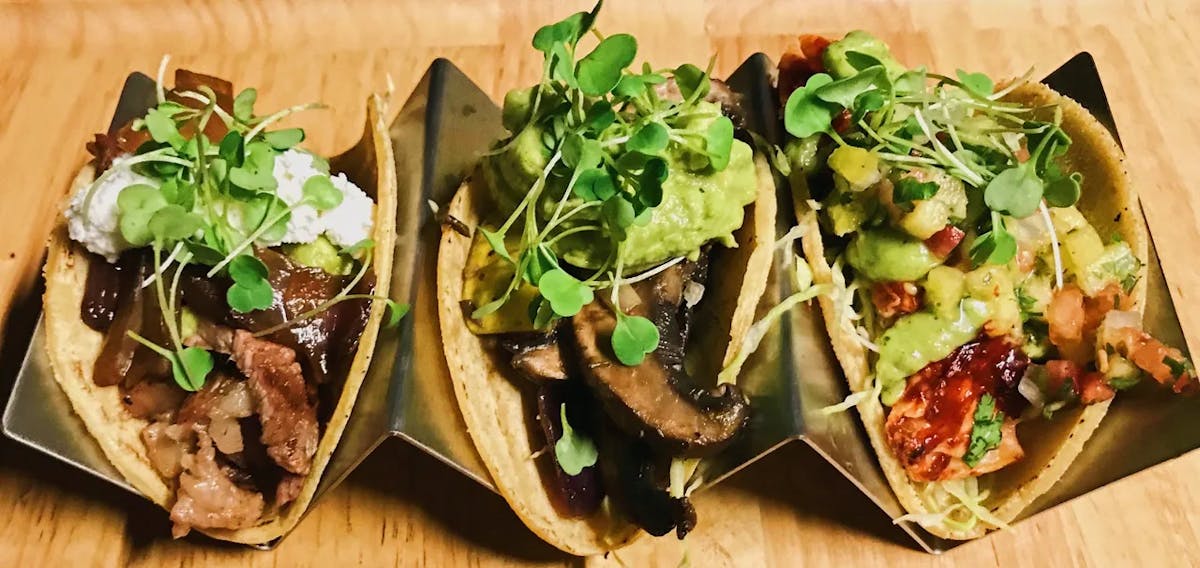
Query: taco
column 212, row 303
column 594, row 275
column 987, row 259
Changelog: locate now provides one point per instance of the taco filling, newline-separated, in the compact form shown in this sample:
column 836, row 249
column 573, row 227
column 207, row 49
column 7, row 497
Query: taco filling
column 230, row 274
column 600, row 216
column 981, row 296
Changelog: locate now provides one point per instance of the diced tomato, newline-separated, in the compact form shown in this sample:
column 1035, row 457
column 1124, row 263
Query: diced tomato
column 1065, row 316
column 1151, row 356
column 943, row 242
column 1092, row 388
column 795, row 67
column 1058, row 372
column 895, row 298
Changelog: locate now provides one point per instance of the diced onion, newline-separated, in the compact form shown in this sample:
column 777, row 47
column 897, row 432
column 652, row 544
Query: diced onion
column 1029, row 389
column 692, row 293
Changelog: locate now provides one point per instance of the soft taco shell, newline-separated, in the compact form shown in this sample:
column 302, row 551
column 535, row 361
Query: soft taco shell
column 499, row 414
column 1110, row 204
column 73, row 347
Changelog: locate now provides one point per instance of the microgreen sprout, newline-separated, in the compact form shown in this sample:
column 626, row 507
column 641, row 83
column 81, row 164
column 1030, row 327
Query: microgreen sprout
column 199, row 184
column 916, row 120
column 608, row 132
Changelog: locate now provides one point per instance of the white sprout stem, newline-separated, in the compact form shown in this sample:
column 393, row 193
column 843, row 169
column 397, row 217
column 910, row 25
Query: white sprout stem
column 908, row 159
column 972, row 177
column 616, row 141
column 1013, row 86
column 253, row 237
column 279, row 116
column 170, row 258
column 220, row 112
column 1058, row 270
column 535, row 190
column 159, row 91
column 653, row 271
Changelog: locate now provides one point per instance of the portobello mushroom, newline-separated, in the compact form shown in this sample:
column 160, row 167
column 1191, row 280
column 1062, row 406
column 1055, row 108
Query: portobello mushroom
column 657, row 400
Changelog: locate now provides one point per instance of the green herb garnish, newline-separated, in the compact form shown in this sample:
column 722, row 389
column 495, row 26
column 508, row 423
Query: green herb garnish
column 606, row 130
column 573, row 451
column 985, row 434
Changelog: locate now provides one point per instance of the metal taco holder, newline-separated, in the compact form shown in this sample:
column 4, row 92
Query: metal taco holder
column 439, row 133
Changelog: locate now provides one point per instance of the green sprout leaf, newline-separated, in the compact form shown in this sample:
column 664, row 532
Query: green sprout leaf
column 136, row 205
column 1016, row 191
column 633, row 338
column 1064, row 191
column 357, row 249
column 650, row 181
column 573, row 451
column 540, row 312
column 582, row 153
column 996, row 246
column 594, row 185
column 651, row 139
column 618, row 214
column 718, row 142
column 909, row 189
column 693, row 82
column 566, row 294
column 805, row 114
column 395, row 312
column 496, row 241
column 867, row 101
column 320, row 192
column 163, row 129
column 986, row 433
column 599, row 116
column 630, row 87
column 191, row 367
column 243, row 105
column 599, row 71
column 843, row 92
column 251, row 290
column 204, row 254
column 173, row 223
column 284, row 139
column 232, row 149
column 539, row 260
column 977, row 83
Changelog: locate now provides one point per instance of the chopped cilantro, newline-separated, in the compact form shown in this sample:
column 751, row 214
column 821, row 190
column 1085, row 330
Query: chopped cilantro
column 985, row 435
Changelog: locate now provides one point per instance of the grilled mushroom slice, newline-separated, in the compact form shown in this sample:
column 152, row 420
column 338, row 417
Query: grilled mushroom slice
column 657, row 400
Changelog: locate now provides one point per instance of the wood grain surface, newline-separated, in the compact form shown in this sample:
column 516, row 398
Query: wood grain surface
column 61, row 67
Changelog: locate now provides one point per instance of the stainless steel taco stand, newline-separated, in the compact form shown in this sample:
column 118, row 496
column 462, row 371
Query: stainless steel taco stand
column 438, row 135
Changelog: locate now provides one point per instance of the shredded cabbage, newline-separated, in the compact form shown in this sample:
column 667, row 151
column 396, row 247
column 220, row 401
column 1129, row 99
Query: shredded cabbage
column 959, row 504
column 854, row 399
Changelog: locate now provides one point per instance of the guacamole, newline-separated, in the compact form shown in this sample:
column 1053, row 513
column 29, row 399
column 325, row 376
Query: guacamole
column 919, row 339
column 886, row 255
column 698, row 205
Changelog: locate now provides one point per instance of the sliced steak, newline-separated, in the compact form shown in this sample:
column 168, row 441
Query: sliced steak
column 288, row 416
column 288, row 489
column 208, row 498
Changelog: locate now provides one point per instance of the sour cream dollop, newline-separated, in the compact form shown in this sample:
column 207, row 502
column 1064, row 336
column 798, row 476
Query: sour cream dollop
column 93, row 216
column 92, row 213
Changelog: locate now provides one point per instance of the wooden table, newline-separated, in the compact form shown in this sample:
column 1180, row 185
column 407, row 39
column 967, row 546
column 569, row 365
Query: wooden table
column 61, row 67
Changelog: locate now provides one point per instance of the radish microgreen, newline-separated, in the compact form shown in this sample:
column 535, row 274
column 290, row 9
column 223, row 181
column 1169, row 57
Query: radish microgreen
column 607, row 131
column 913, row 119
